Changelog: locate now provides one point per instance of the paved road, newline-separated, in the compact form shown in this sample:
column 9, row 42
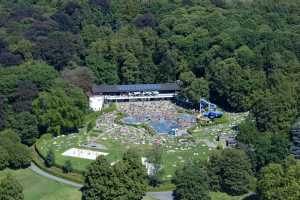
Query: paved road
column 37, row 170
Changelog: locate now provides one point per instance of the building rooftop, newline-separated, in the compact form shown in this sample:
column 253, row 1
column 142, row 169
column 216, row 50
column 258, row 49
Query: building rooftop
column 134, row 88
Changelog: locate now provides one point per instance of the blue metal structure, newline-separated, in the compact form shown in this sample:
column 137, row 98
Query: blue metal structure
column 209, row 109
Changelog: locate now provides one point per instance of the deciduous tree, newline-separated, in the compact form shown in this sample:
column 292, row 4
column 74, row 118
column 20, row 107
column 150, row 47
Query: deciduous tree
column 276, row 182
column 231, row 171
column 132, row 176
column 99, row 181
column 26, row 126
column 11, row 189
column 61, row 109
column 191, row 183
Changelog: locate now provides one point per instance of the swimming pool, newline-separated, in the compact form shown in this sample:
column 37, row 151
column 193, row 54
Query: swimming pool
column 164, row 126
column 161, row 126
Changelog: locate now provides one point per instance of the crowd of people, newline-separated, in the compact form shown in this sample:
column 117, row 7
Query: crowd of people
column 143, row 110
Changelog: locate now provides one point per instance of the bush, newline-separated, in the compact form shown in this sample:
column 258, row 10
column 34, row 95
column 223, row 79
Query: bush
column 50, row 159
column 67, row 168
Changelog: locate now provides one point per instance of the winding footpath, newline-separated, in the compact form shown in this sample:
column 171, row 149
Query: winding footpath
column 157, row 195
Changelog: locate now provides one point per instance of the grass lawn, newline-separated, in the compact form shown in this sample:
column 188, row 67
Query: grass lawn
column 40, row 188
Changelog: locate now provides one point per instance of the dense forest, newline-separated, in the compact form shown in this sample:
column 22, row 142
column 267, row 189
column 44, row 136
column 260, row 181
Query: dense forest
column 243, row 55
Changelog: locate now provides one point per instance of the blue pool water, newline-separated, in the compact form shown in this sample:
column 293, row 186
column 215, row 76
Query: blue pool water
column 131, row 120
column 161, row 126
column 164, row 126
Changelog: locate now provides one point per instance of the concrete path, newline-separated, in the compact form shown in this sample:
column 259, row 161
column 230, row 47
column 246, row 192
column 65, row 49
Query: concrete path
column 37, row 170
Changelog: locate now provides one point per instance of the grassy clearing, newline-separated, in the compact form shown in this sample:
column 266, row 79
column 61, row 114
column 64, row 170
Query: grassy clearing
column 40, row 188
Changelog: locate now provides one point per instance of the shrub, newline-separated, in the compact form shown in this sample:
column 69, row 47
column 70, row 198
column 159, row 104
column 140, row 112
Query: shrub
column 50, row 159
column 67, row 168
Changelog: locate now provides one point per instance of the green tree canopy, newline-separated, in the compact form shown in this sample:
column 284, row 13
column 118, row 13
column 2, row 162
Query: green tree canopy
column 100, row 181
column 26, row 126
column 279, row 182
column 231, row 171
column 191, row 183
column 234, row 87
column 11, row 189
column 60, row 110
column 4, row 158
column 132, row 176
column 194, row 88
column 126, row 180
